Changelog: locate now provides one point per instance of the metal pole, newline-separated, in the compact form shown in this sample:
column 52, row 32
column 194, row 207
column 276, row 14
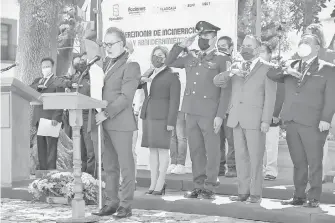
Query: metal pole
column 258, row 19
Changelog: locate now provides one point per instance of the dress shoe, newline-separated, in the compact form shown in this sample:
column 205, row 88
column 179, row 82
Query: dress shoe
column 149, row 192
column 207, row 194
column 269, row 177
column 254, row 199
column 106, row 211
column 240, row 197
column 312, row 203
column 122, row 213
column 294, row 201
column 193, row 194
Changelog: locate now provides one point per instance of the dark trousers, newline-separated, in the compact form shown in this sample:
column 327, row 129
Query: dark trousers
column 305, row 145
column 229, row 158
column 118, row 155
column 178, row 146
column 47, row 152
column 87, row 150
column 204, row 151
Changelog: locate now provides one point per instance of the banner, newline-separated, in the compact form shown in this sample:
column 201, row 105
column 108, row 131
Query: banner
column 148, row 23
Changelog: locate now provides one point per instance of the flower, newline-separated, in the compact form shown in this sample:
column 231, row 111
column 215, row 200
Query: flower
column 61, row 184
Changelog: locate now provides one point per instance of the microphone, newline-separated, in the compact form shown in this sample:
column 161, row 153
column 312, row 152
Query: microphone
column 10, row 67
column 95, row 59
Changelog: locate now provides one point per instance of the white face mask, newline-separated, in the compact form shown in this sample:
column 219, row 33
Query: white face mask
column 304, row 50
column 46, row 71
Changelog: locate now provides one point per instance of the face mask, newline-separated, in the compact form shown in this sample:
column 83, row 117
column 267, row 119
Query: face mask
column 157, row 61
column 304, row 50
column 247, row 53
column 203, row 44
column 46, row 71
column 224, row 50
column 81, row 67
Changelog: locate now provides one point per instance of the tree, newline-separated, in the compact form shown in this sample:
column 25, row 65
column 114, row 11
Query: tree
column 38, row 31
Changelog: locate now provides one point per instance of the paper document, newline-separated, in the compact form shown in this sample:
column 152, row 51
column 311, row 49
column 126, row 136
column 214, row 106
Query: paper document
column 45, row 128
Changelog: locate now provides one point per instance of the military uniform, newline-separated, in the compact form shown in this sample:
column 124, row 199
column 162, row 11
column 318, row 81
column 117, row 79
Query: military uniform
column 202, row 102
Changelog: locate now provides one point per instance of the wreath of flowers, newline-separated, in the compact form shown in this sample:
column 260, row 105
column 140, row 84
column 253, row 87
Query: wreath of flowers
column 60, row 184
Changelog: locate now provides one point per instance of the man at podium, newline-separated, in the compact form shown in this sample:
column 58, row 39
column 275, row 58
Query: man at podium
column 48, row 83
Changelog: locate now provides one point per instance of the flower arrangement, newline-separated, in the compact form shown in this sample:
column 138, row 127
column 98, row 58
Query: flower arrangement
column 60, row 184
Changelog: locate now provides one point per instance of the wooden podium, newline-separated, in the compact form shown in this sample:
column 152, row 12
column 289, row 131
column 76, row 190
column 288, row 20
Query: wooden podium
column 74, row 102
column 15, row 129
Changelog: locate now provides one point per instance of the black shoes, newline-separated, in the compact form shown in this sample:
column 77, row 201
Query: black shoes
column 161, row 192
column 193, row 194
column 106, row 211
column 122, row 213
column 294, row 201
column 312, row 203
column 269, row 177
column 207, row 194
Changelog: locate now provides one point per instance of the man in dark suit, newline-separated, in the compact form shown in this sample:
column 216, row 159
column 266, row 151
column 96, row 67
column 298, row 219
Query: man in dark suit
column 121, row 81
column 205, row 106
column 49, row 83
column 308, row 110
column 225, row 45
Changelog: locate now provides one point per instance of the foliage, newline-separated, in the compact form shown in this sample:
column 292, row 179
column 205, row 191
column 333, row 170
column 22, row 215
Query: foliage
column 61, row 184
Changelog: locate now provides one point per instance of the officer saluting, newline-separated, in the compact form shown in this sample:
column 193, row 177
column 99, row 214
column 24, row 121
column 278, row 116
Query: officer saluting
column 204, row 104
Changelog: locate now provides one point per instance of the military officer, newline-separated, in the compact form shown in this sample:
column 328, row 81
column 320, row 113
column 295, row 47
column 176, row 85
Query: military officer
column 204, row 104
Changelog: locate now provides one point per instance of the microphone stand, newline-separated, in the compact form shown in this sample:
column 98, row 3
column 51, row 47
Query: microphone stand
column 82, row 75
column 7, row 68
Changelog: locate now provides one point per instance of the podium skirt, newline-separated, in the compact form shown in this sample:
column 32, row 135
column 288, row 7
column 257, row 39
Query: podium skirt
column 155, row 135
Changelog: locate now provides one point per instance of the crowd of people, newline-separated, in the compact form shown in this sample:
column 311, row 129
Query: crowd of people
column 221, row 99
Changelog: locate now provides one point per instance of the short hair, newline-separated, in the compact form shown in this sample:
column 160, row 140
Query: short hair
column 48, row 59
column 228, row 39
column 268, row 48
column 256, row 38
column 162, row 48
column 317, row 32
column 119, row 32
column 78, row 55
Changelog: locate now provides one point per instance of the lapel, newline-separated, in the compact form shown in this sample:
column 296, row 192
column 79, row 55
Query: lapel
column 253, row 71
column 117, row 65
column 312, row 69
column 158, row 74
column 50, row 81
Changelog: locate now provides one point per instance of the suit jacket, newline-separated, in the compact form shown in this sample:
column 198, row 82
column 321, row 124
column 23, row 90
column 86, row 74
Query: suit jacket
column 163, row 101
column 313, row 100
column 120, row 84
column 253, row 97
column 54, row 84
column 201, row 97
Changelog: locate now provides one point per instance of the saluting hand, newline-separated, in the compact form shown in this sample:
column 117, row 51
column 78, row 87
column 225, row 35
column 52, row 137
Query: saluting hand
column 189, row 41
column 217, row 124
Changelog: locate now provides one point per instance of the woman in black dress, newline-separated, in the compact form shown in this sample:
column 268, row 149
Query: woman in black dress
column 159, row 114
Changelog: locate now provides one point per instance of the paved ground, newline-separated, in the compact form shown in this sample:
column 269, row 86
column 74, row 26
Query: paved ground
column 23, row 211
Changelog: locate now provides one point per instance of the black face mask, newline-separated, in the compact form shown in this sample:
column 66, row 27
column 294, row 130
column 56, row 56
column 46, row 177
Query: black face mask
column 203, row 44
column 224, row 50
column 157, row 61
column 80, row 67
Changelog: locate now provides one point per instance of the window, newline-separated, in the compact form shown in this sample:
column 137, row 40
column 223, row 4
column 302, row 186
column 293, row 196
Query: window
column 5, row 41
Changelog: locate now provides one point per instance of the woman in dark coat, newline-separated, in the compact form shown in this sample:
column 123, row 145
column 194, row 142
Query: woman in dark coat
column 159, row 114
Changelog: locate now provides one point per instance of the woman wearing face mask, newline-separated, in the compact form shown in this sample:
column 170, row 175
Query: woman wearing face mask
column 159, row 114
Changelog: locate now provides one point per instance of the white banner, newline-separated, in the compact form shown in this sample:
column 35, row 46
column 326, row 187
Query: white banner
column 148, row 23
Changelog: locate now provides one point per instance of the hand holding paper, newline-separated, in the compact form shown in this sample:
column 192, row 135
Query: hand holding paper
column 47, row 127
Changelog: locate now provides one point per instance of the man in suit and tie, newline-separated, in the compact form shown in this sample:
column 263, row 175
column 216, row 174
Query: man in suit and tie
column 308, row 110
column 250, row 115
column 49, row 83
column 121, row 81
column 205, row 106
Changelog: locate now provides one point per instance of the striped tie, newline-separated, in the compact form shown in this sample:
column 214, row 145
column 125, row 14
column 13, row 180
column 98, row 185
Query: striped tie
column 303, row 70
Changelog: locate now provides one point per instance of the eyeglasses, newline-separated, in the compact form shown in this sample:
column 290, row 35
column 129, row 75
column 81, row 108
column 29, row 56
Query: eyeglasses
column 109, row 44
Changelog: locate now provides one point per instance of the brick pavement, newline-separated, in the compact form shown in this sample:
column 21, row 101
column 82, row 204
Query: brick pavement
column 26, row 211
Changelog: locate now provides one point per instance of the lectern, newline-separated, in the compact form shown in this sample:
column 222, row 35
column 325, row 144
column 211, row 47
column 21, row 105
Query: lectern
column 75, row 103
column 15, row 130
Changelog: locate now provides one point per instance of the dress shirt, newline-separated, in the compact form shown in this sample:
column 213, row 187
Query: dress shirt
column 47, row 79
column 156, row 71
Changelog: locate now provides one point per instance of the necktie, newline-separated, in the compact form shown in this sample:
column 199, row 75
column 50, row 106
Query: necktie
column 303, row 70
column 247, row 66
column 43, row 81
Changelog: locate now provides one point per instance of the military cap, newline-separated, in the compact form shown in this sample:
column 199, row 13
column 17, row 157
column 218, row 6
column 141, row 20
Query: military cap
column 203, row 27
column 316, row 30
